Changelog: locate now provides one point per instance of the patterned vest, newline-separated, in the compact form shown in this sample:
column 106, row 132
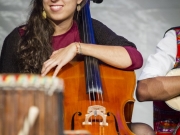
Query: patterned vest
column 167, row 120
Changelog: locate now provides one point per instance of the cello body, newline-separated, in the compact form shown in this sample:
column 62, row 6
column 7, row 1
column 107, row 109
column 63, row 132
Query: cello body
column 97, row 97
column 118, row 88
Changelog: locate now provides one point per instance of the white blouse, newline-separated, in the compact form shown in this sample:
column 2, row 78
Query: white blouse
column 163, row 60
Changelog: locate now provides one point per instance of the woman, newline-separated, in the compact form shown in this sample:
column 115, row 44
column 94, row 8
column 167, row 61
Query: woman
column 34, row 48
column 53, row 27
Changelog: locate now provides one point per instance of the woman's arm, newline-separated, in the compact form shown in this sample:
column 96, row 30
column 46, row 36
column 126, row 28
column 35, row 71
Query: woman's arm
column 109, row 48
column 116, row 56
column 124, row 50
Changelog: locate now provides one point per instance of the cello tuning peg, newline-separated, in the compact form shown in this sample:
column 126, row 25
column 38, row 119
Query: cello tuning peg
column 97, row 1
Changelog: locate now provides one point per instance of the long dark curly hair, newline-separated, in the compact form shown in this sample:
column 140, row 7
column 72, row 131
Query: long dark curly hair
column 35, row 45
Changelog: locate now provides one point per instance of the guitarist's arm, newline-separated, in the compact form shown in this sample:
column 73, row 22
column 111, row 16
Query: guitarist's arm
column 153, row 83
column 158, row 88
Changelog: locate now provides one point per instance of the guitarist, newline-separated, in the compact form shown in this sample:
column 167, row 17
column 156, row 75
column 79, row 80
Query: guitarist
column 154, row 85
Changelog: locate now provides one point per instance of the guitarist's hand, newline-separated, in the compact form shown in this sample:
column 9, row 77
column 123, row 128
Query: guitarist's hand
column 59, row 58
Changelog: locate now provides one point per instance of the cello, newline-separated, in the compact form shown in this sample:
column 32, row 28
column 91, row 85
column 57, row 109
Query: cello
column 97, row 97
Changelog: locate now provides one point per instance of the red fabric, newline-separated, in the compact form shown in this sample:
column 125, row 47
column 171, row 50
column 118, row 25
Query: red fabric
column 163, row 133
column 178, row 41
column 135, row 56
column 178, row 131
column 61, row 41
column 67, row 38
column 178, row 53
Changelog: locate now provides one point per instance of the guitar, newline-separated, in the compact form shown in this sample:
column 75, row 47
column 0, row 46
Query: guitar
column 175, row 102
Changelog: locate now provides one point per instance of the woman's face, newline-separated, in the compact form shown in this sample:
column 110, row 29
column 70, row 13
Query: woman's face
column 60, row 10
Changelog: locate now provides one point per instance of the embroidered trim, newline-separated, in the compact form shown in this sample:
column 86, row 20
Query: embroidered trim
column 177, row 64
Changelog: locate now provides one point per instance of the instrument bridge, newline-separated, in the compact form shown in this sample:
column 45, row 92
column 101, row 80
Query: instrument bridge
column 96, row 110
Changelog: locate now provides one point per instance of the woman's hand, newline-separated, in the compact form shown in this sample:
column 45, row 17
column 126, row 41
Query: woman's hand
column 59, row 58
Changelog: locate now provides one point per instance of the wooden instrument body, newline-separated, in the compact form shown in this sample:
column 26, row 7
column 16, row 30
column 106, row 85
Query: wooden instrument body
column 118, row 88
column 14, row 109
column 76, row 132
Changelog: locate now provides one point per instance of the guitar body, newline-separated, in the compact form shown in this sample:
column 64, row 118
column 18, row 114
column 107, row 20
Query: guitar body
column 118, row 87
column 175, row 102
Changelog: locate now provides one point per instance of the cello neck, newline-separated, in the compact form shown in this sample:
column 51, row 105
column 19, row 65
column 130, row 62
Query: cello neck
column 93, row 80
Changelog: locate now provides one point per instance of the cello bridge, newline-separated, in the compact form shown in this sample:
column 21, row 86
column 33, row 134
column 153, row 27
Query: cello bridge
column 96, row 110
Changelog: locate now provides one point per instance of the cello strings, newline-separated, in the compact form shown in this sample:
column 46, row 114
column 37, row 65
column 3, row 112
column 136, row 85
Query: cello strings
column 88, row 62
column 85, row 39
column 96, row 75
column 92, row 71
column 98, row 79
column 94, row 85
column 99, row 89
column 90, row 65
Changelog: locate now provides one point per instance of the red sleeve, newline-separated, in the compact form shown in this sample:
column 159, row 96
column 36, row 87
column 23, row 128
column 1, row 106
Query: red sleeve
column 136, row 58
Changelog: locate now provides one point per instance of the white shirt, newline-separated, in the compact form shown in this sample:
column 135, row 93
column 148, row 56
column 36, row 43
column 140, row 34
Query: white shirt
column 163, row 60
